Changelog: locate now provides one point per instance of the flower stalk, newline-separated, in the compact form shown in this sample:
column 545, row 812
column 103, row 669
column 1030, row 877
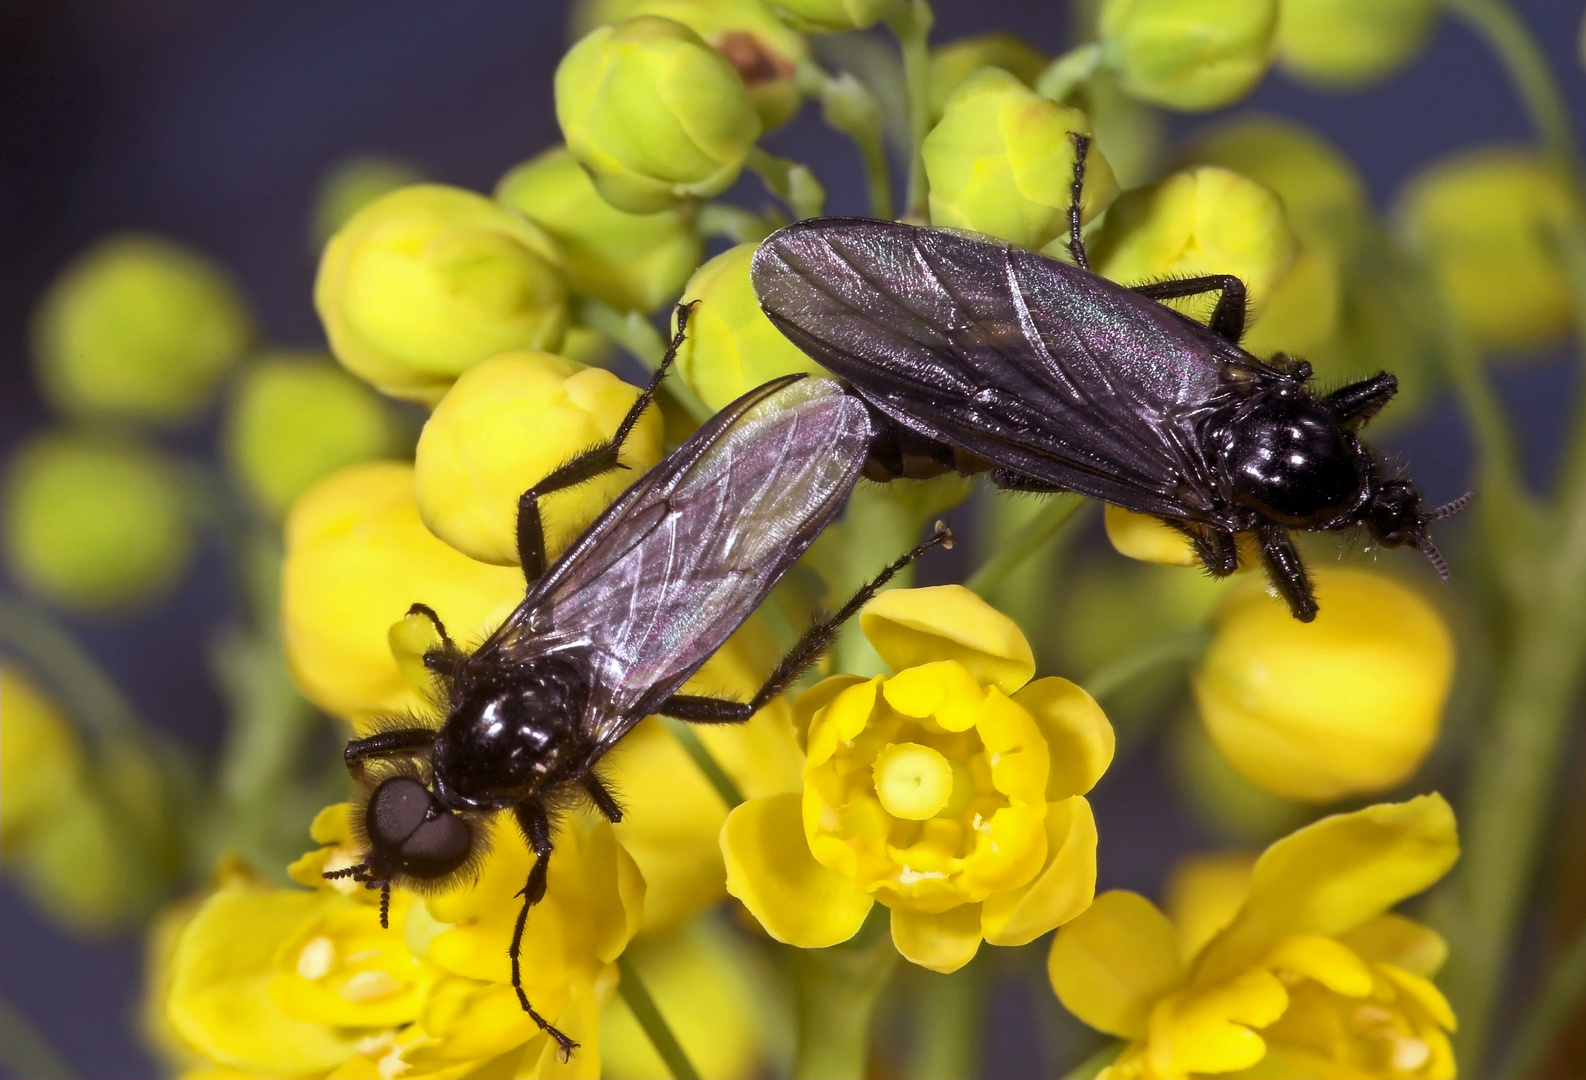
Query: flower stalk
column 836, row 990
column 654, row 1024
column 912, row 24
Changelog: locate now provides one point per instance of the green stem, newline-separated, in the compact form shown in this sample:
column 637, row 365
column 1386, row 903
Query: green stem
column 837, row 990
column 794, row 183
column 700, row 754
column 654, row 1024
column 25, row 1051
column 912, row 24
column 1014, row 550
column 1179, row 647
column 644, row 342
column 89, row 694
column 1559, row 999
column 848, row 106
column 734, row 223
column 949, row 1024
column 1091, row 1066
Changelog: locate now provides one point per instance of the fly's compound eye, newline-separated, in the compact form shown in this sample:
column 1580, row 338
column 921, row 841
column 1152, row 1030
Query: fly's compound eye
column 407, row 826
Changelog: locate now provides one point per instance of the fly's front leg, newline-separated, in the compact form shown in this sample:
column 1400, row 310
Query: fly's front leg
column 1228, row 317
column 1008, row 480
column 596, row 461
column 404, row 742
column 1217, row 549
column 1076, row 191
column 1286, row 570
column 536, row 826
column 601, row 796
column 813, row 642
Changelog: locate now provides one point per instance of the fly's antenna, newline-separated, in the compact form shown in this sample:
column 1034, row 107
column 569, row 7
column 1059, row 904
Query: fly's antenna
column 355, row 872
column 385, row 903
column 1449, row 509
column 1424, row 545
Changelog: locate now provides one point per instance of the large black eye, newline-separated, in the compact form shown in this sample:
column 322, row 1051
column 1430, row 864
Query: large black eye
column 405, row 823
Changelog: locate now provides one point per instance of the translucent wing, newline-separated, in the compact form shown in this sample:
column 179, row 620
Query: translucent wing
column 1045, row 369
column 674, row 566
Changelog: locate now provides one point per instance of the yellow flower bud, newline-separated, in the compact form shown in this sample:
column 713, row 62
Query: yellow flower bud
column 764, row 50
column 1188, row 54
column 357, row 557
column 1341, row 43
column 41, row 759
column 1001, row 161
column 94, row 525
column 1202, row 221
column 503, row 426
column 635, row 262
column 426, row 281
column 352, row 185
column 1347, row 705
column 731, row 346
column 1149, row 539
column 296, row 418
column 833, row 15
column 1484, row 221
column 656, row 115
column 952, row 63
column 138, row 327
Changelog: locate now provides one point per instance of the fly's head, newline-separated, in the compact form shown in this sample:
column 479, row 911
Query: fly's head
column 1288, row 459
column 1395, row 517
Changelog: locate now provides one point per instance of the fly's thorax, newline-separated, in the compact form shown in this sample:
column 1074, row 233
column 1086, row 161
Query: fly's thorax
column 510, row 734
column 1287, row 458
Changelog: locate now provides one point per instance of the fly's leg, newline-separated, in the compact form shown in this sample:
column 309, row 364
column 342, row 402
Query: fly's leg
column 601, row 796
column 536, row 826
column 1076, row 189
column 1286, row 570
column 813, row 642
column 404, row 742
column 1360, row 401
column 1217, row 549
column 596, row 461
column 1008, row 480
column 1228, row 317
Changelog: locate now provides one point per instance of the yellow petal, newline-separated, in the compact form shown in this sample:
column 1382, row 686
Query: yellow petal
column 1334, row 875
column 1078, row 735
column 948, row 622
column 1425, row 994
column 1064, row 888
column 1204, row 894
column 1111, row 964
column 839, row 720
column 1209, row 1030
column 770, row 868
column 330, row 825
column 1394, row 939
column 943, row 942
column 1143, row 537
column 816, row 698
column 944, row 690
column 1330, row 963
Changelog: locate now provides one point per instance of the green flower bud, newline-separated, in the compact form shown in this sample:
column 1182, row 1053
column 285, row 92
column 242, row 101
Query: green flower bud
column 634, row 262
column 295, row 418
column 80, row 869
column 426, row 281
column 1001, row 162
column 829, row 16
column 94, row 525
column 763, row 50
column 731, row 346
column 1341, row 43
column 41, row 758
column 353, row 185
column 1202, row 221
column 1188, row 54
column 952, row 63
column 138, row 327
column 1484, row 220
column 656, row 115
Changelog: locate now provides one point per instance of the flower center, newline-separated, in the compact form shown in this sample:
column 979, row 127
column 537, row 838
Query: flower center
column 913, row 782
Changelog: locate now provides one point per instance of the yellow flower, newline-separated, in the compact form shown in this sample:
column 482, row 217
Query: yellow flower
column 138, row 327
column 502, row 427
column 1303, row 970
column 1001, row 161
column 1205, row 220
column 631, row 261
column 1485, row 221
column 1188, row 54
column 1347, row 705
column 94, row 524
column 731, row 346
column 295, row 418
column 657, row 116
column 428, row 280
column 833, row 15
column 357, row 557
column 952, row 63
column 283, row 982
column 1343, row 43
column 352, row 185
column 951, row 791
column 41, row 759
column 1149, row 539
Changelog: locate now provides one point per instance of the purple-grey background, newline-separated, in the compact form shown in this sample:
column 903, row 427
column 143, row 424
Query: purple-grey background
column 213, row 122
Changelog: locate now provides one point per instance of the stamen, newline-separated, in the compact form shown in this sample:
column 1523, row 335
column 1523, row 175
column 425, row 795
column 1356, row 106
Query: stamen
column 317, row 959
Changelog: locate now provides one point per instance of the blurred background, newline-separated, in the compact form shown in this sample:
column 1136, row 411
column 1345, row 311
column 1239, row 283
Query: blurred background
column 214, row 124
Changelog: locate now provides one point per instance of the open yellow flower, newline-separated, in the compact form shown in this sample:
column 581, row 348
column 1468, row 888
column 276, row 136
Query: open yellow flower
column 1299, row 968
column 287, row 982
column 951, row 791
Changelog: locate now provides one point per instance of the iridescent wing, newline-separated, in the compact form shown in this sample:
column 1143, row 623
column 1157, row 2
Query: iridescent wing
column 680, row 560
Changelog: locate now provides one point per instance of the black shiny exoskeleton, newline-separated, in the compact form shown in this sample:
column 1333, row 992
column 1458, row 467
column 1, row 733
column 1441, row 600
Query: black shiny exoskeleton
column 981, row 355
column 609, row 632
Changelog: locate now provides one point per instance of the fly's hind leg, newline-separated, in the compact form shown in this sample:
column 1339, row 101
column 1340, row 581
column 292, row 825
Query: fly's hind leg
column 1217, row 549
column 596, row 461
column 1286, row 570
column 1076, row 191
column 536, row 826
column 813, row 642
column 1228, row 316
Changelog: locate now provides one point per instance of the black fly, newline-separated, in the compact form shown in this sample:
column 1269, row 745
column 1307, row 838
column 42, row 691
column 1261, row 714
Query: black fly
column 986, row 356
column 608, row 633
